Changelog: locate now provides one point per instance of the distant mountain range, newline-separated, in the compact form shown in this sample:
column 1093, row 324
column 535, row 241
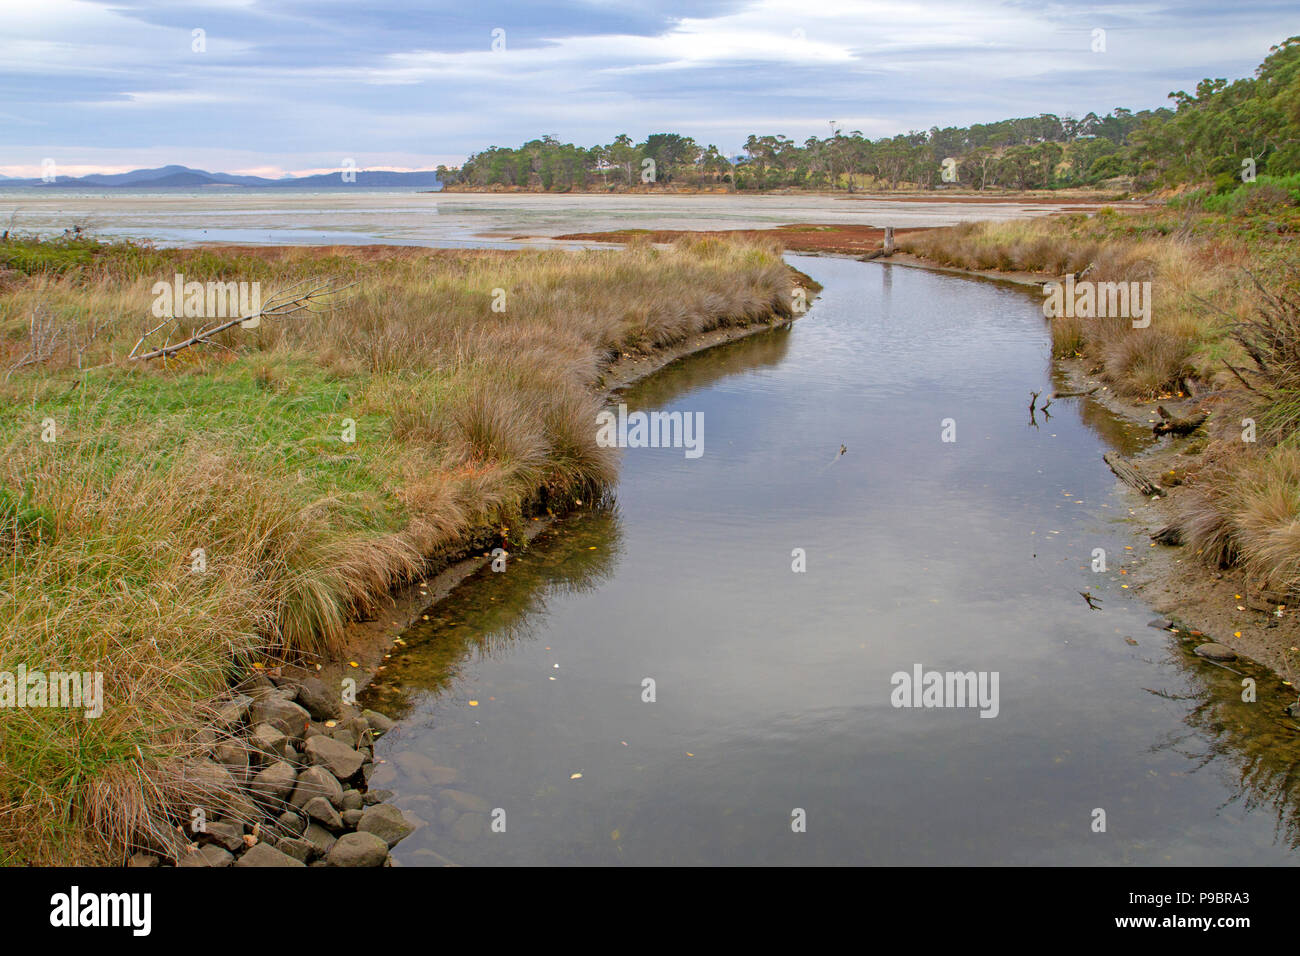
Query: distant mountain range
column 183, row 177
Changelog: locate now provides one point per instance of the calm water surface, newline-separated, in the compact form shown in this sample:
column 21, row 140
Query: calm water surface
column 404, row 217
column 773, row 687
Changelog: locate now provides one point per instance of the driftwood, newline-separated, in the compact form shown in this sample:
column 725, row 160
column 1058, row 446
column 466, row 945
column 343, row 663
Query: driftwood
column 1075, row 394
column 1173, row 425
column 886, row 249
column 1127, row 473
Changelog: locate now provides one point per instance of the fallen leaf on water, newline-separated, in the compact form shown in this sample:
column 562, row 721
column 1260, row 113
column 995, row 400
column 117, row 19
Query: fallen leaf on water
column 473, row 703
column 353, row 664
column 575, row 776
column 1129, row 640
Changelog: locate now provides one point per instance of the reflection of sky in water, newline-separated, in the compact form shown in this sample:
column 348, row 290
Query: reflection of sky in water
column 773, row 687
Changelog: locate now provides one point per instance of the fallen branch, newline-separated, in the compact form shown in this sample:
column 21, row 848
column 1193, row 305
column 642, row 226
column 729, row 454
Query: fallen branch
column 278, row 305
column 1173, row 425
column 1075, row 394
column 1128, row 473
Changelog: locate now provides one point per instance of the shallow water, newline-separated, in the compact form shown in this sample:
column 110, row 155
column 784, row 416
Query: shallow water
column 773, row 688
column 348, row 217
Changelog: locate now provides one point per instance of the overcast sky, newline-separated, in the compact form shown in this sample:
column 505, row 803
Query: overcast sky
column 300, row 85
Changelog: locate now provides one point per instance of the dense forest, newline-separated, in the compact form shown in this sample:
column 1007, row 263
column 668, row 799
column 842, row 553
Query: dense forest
column 1207, row 135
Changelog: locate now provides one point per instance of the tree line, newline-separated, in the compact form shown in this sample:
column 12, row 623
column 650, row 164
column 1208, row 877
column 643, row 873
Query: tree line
column 1214, row 132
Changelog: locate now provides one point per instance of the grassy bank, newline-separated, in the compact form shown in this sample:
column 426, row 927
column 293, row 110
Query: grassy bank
column 1224, row 339
column 171, row 523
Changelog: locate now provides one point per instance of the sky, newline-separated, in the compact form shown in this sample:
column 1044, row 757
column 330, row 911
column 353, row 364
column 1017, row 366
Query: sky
column 267, row 87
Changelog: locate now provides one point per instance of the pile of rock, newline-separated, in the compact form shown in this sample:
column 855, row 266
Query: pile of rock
column 286, row 784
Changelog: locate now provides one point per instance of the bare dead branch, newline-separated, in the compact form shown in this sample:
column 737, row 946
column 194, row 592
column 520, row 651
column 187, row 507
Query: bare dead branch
column 286, row 302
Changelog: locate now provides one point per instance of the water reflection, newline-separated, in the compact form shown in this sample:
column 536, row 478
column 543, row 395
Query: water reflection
column 489, row 612
column 524, row 692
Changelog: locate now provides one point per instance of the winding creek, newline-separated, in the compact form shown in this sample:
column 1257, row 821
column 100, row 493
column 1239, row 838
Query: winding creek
column 523, row 691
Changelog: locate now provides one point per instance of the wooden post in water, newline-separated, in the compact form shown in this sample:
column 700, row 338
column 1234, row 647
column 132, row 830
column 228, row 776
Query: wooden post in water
column 889, row 241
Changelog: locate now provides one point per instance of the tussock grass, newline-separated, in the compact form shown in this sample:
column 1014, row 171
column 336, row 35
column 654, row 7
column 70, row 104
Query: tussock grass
column 1185, row 337
column 465, row 418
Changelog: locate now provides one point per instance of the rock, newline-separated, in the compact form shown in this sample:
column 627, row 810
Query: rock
column 233, row 755
column 360, row 730
column 323, row 812
column 1161, row 624
column 464, row 802
column 263, row 854
column 284, row 715
column 320, row 838
column 418, row 765
column 316, row 782
column 447, row 816
column 338, row 758
column 224, row 832
column 271, row 741
column 213, row 789
column 209, row 855
column 320, row 700
column 351, row 818
column 291, row 822
column 467, row 827
column 385, row 821
column 316, row 729
column 274, row 784
column 256, row 686
column 371, row 797
column 143, row 859
column 231, row 713
column 296, row 847
column 358, row 849
column 352, row 800
column 378, row 723
column 1215, row 652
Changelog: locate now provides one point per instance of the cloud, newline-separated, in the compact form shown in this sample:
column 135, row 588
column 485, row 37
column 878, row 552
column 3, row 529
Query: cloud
column 293, row 84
